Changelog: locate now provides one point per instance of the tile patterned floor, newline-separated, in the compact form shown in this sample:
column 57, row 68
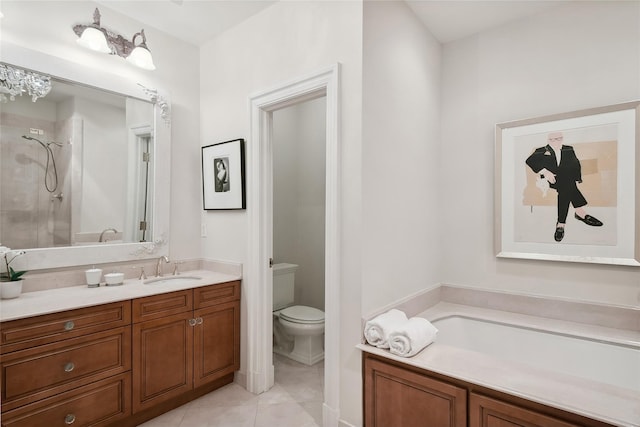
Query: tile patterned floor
column 294, row 401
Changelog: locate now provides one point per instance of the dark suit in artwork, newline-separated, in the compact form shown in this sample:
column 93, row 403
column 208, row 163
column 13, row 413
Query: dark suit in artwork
column 567, row 175
column 564, row 174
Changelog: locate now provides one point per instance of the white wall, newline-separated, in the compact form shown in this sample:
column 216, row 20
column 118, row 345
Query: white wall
column 283, row 42
column 578, row 56
column 104, row 141
column 46, row 26
column 285, row 160
column 299, row 196
column 401, row 156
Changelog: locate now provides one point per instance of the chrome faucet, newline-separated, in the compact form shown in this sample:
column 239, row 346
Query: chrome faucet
column 159, row 265
column 104, row 231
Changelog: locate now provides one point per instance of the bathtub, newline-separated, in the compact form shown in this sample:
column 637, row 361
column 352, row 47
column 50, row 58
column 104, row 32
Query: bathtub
column 612, row 363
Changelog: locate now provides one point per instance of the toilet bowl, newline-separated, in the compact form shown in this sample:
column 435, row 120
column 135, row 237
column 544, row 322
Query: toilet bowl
column 299, row 334
column 298, row 330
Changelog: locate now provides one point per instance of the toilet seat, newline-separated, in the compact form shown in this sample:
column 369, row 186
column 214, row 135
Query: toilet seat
column 302, row 314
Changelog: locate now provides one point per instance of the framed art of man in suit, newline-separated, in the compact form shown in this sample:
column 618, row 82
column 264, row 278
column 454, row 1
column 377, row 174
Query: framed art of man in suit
column 559, row 165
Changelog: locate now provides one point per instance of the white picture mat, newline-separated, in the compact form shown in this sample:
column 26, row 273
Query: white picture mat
column 231, row 199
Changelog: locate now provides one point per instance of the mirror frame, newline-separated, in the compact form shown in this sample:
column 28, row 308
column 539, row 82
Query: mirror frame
column 68, row 256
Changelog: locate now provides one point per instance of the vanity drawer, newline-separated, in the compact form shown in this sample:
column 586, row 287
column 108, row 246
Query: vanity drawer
column 45, row 371
column 216, row 294
column 39, row 330
column 163, row 305
column 101, row 403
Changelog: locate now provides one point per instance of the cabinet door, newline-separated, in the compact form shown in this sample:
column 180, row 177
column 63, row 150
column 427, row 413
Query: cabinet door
column 488, row 412
column 162, row 359
column 216, row 342
column 395, row 397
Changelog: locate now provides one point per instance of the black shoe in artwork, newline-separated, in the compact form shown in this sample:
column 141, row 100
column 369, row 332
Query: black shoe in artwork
column 559, row 234
column 589, row 220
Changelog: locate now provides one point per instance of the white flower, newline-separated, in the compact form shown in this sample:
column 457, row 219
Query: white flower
column 8, row 256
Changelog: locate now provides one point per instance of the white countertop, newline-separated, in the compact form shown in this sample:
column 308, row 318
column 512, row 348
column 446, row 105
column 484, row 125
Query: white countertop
column 60, row 299
column 615, row 405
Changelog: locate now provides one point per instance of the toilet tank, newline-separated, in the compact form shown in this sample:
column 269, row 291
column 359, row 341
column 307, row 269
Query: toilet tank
column 283, row 285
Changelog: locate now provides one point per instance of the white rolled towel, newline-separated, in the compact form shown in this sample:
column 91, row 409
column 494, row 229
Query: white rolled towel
column 377, row 330
column 411, row 337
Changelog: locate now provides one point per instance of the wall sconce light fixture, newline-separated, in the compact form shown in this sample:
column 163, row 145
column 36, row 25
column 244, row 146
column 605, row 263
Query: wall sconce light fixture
column 95, row 37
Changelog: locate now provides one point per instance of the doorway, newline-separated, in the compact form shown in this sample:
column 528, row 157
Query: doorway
column 299, row 196
column 258, row 274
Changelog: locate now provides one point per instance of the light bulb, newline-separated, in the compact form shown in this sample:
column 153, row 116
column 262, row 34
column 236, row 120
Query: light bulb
column 94, row 39
column 141, row 57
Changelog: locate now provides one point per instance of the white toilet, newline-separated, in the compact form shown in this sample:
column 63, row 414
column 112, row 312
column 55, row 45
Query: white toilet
column 298, row 330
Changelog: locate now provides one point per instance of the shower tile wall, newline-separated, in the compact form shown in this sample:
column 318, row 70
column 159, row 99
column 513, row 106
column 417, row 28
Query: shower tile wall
column 24, row 200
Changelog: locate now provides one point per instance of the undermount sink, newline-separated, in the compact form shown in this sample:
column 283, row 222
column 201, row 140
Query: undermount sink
column 172, row 279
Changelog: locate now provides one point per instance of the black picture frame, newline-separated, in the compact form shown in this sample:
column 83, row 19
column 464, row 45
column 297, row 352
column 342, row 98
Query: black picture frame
column 223, row 175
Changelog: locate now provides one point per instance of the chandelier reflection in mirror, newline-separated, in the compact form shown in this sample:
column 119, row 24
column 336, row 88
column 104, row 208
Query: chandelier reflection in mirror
column 99, row 39
column 15, row 81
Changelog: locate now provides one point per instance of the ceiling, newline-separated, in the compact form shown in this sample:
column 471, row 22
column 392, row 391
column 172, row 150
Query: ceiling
column 450, row 20
column 193, row 21
column 197, row 21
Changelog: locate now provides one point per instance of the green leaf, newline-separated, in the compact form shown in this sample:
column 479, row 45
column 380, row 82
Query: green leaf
column 15, row 275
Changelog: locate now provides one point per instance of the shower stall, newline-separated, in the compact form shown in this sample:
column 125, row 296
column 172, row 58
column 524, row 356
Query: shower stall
column 35, row 158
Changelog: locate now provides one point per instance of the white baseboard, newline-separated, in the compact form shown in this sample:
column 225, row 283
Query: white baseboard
column 329, row 416
column 240, row 378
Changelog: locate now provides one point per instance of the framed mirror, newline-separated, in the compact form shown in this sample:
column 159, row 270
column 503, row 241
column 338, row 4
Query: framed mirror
column 80, row 167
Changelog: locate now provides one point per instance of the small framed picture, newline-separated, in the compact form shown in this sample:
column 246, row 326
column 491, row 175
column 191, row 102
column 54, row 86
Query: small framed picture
column 567, row 187
column 223, row 175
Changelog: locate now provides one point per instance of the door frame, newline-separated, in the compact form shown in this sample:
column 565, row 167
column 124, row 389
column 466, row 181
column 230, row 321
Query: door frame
column 257, row 276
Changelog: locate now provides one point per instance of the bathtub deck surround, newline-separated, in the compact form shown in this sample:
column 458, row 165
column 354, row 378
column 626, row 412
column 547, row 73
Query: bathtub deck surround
column 555, row 362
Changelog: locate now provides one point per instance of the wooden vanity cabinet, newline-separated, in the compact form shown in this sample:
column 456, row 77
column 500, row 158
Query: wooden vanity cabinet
column 183, row 341
column 54, row 367
column 119, row 364
column 399, row 395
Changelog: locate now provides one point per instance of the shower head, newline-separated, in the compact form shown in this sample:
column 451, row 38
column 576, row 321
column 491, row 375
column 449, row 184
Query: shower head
column 30, row 138
column 50, row 157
